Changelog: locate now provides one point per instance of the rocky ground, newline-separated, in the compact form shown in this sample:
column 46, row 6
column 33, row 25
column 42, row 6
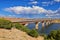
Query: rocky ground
column 15, row 34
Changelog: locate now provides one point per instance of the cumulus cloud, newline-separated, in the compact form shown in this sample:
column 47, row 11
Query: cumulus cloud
column 27, row 10
column 33, row 10
column 57, row 0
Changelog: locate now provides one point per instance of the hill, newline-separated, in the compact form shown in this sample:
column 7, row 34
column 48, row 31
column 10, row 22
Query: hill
column 15, row 34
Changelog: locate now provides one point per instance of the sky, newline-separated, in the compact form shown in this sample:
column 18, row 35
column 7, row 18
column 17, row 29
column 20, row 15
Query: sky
column 30, row 8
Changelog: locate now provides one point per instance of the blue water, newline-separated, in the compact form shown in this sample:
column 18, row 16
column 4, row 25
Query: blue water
column 45, row 30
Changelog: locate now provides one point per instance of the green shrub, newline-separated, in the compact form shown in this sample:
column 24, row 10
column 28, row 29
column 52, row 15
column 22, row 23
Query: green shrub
column 18, row 26
column 54, row 35
column 9, row 26
column 5, row 24
column 21, row 27
column 33, row 33
column 58, row 35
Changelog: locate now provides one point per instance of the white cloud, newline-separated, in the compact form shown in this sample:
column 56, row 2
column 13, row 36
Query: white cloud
column 27, row 10
column 54, row 14
column 33, row 2
column 33, row 10
column 57, row 0
column 47, row 3
column 11, row 15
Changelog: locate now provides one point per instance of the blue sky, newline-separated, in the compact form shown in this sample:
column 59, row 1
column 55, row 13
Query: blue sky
column 30, row 8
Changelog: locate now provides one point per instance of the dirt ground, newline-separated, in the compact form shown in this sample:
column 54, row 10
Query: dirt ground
column 15, row 34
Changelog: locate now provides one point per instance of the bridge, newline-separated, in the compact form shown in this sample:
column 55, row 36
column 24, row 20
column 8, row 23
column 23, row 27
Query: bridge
column 25, row 22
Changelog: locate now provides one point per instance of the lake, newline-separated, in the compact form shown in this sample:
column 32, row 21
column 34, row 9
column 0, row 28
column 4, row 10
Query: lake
column 45, row 30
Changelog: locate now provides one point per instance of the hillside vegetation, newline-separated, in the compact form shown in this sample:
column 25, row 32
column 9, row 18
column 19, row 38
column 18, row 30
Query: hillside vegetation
column 16, row 31
column 8, row 25
column 53, row 35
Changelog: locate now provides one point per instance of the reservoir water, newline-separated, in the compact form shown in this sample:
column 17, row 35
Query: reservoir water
column 45, row 30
